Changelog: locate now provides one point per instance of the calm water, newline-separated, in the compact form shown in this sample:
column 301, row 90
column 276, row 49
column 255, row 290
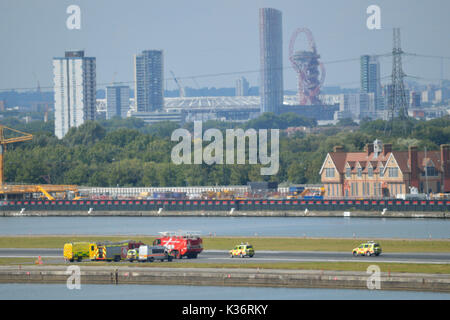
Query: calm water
column 160, row 292
column 232, row 226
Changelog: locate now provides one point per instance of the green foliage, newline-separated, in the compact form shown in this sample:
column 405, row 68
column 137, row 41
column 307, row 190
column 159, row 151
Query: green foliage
column 127, row 152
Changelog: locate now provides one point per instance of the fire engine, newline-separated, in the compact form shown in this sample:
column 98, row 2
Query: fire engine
column 181, row 244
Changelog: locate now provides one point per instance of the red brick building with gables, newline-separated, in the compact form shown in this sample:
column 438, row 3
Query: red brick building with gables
column 380, row 171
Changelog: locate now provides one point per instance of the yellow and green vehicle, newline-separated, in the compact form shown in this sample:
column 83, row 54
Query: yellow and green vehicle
column 369, row 248
column 79, row 251
column 242, row 250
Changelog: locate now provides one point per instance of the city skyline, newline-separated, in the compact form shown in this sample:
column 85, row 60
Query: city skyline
column 191, row 49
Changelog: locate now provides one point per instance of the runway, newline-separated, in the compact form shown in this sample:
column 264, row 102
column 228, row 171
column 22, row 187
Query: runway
column 222, row 256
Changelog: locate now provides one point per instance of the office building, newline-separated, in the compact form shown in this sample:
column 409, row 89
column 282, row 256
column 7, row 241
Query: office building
column 149, row 80
column 242, row 87
column 370, row 79
column 271, row 59
column 117, row 101
column 74, row 78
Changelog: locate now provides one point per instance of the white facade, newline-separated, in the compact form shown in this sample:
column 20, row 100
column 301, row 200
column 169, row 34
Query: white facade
column 74, row 89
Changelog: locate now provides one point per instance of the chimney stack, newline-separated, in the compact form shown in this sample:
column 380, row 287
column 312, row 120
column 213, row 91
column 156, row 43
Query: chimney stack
column 338, row 149
column 413, row 165
column 369, row 148
column 387, row 147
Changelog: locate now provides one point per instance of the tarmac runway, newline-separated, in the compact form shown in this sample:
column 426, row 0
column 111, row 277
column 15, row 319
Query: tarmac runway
column 222, row 256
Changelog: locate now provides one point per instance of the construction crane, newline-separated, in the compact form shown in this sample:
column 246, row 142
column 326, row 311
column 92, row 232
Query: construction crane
column 4, row 141
column 6, row 189
column 180, row 87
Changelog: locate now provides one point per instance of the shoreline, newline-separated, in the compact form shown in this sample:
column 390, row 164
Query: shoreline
column 278, row 213
column 227, row 277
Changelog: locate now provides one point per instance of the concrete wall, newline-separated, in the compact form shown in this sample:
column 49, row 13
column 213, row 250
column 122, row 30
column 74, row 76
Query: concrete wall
column 226, row 277
column 232, row 213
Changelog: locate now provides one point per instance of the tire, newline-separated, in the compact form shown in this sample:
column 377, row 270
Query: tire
column 355, row 254
column 242, row 255
column 151, row 259
column 368, row 254
column 169, row 258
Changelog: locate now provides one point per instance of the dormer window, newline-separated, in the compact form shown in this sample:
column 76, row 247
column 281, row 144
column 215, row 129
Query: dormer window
column 381, row 171
column 348, row 172
column 370, row 172
column 359, row 172
column 431, row 172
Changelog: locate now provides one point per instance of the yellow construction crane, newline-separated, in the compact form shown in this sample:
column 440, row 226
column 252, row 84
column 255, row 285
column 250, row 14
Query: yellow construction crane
column 22, row 189
column 4, row 141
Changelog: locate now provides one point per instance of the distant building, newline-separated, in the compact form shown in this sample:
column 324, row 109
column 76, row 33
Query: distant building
column 370, row 79
column 74, row 78
column 159, row 116
column 380, row 171
column 414, row 99
column 149, row 80
column 356, row 106
column 242, row 87
column 117, row 101
column 271, row 59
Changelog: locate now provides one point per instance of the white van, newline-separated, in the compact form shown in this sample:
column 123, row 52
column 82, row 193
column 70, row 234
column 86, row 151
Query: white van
column 152, row 253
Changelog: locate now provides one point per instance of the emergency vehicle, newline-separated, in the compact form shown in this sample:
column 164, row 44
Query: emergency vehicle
column 113, row 250
column 242, row 250
column 76, row 251
column 369, row 248
column 180, row 244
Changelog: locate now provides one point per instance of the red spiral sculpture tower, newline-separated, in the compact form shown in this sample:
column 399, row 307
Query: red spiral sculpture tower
column 306, row 64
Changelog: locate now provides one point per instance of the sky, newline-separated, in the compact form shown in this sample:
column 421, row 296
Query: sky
column 212, row 37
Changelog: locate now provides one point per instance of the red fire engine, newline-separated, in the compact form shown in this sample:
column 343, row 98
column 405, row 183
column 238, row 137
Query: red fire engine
column 181, row 244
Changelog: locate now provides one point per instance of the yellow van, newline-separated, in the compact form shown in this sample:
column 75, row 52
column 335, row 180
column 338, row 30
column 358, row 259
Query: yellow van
column 78, row 251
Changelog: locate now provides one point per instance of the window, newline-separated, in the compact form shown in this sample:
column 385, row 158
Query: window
column 359, row 172
column 348, row 172
column 431, row 172
column 375, row 191
column 381, row 171
column 370, row 172
column 329, row 172
column 393, row 172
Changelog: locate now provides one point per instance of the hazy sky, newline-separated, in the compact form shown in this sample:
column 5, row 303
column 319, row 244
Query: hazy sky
column 214, row 36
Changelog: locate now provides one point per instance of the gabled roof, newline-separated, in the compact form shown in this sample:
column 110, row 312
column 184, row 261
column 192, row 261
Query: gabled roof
column 342, row 159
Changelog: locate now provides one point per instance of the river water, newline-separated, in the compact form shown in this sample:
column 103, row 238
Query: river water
column 175, row 292
column 338, row 227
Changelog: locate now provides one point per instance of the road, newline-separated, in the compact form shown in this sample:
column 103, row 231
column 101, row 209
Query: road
column 221, row 256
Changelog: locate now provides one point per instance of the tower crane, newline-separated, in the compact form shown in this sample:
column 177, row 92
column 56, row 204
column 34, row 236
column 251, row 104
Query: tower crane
column 6, row 189
column 180, row 87
column 4, row 141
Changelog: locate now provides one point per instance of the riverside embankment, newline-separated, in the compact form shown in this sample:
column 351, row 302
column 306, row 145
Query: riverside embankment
column 231, row 213
column 227, row 277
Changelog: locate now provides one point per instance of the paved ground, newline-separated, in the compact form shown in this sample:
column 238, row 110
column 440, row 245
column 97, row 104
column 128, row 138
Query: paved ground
column 221, row 256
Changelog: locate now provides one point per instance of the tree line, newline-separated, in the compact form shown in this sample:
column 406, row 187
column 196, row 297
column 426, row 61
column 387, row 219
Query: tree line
column 128, row 152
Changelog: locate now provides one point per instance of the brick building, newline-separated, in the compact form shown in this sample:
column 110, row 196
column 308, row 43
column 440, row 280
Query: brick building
column 380, row 171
